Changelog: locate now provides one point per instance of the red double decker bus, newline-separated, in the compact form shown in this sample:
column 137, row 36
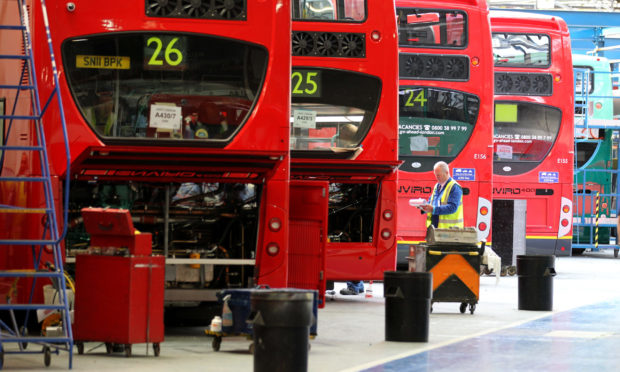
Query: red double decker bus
column 179, row 112
column 344, row 136
column 446, row 110
column 533, row 133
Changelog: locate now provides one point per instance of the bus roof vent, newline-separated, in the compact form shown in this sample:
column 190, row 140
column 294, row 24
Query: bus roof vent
column 433, row 67
column 161, row 8
column 352, row 45
column 519, row 83
column 414, row 66
column 303, row 43
column 329, row 44
column 202, row 9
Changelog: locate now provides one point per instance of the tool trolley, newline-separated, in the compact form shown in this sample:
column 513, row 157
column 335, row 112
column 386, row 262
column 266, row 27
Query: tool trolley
column 453, row 257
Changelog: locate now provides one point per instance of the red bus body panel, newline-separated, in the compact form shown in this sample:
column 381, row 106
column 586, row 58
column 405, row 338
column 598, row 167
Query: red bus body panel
column 544, row 213
column 478, row 152
column 257, row 153
column 377, row 162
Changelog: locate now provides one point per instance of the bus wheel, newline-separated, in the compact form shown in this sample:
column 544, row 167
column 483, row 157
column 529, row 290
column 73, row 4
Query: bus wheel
column 616, row 252
column 578, row 251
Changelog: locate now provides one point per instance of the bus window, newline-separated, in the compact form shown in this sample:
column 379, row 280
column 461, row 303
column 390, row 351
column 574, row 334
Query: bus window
column 524, row 132
column 521, row 50
column 331, row 108
column 585, row 151
column 426, row 27
column 329, row 10
column 163, row 85
column 580, row 76
column 435, row 122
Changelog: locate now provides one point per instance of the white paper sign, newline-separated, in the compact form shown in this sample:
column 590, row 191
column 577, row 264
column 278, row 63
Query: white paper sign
column 304, row 119
column 165, row 117
column 504, row 151
column 418, row 143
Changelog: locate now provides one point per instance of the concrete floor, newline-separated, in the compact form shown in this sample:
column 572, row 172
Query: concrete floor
column 582, row 331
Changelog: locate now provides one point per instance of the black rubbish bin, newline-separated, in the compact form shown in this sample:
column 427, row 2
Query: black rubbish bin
column 407, row 305
column 281, row 321
column 535, row 275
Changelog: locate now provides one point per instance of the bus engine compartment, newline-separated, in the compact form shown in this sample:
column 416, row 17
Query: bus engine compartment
column 207, row 222
column 187, row 221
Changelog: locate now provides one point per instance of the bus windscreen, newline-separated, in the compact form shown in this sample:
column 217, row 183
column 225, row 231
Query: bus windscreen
column 521, row 50
column 524, row 132
column 329, row 10
column 432, row 28
column 164, row 85
column 331, row 109
column 435, row 122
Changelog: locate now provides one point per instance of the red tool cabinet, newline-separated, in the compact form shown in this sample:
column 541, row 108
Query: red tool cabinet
column 119, row 299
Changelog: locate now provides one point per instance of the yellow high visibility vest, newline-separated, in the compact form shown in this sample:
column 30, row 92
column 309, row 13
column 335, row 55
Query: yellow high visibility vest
column 447, row 220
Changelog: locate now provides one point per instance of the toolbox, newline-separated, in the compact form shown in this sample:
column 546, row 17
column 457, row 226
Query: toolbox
column 113, row 228
column 119, row 288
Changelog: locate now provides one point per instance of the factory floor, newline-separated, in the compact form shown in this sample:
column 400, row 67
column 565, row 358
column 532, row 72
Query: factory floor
column 581, row 333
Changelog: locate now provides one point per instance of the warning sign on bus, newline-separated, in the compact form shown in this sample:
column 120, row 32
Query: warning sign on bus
column 107, row 62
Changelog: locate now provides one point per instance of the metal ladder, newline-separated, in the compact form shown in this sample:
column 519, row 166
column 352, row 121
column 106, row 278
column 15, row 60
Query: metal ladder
column 23, row 95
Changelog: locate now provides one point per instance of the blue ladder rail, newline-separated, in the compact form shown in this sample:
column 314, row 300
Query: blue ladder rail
column 52, row 234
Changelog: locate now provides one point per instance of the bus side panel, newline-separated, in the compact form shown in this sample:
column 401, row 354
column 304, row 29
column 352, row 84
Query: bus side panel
column 386, row 248
column 272, row 269
column 412, row 222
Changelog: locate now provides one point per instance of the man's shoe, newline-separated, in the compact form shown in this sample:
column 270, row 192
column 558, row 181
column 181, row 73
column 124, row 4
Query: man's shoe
column 347, row 292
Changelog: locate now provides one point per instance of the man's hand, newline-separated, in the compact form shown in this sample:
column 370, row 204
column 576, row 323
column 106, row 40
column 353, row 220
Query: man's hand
column 427, row 208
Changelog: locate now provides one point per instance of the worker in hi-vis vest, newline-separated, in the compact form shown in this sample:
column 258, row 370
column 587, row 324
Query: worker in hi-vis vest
column 445, row 208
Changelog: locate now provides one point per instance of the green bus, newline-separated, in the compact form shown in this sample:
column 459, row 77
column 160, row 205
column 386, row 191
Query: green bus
column 593, row 152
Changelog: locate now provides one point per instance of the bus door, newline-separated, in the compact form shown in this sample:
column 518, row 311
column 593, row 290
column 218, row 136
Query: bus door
column 308, row 235
column 508, row 225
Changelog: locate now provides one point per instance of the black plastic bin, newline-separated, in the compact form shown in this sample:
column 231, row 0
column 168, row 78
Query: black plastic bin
column 281, row 321
column 535, row 275
column 407, row 305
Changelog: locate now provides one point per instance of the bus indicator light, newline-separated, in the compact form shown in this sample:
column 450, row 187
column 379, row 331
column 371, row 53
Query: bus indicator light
column 566, row 209
column 375, row 35
column 482, row 226
column 598, row 105
column 484, row 211
column 557, row 78
column 475, row 61
column 565, row 222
